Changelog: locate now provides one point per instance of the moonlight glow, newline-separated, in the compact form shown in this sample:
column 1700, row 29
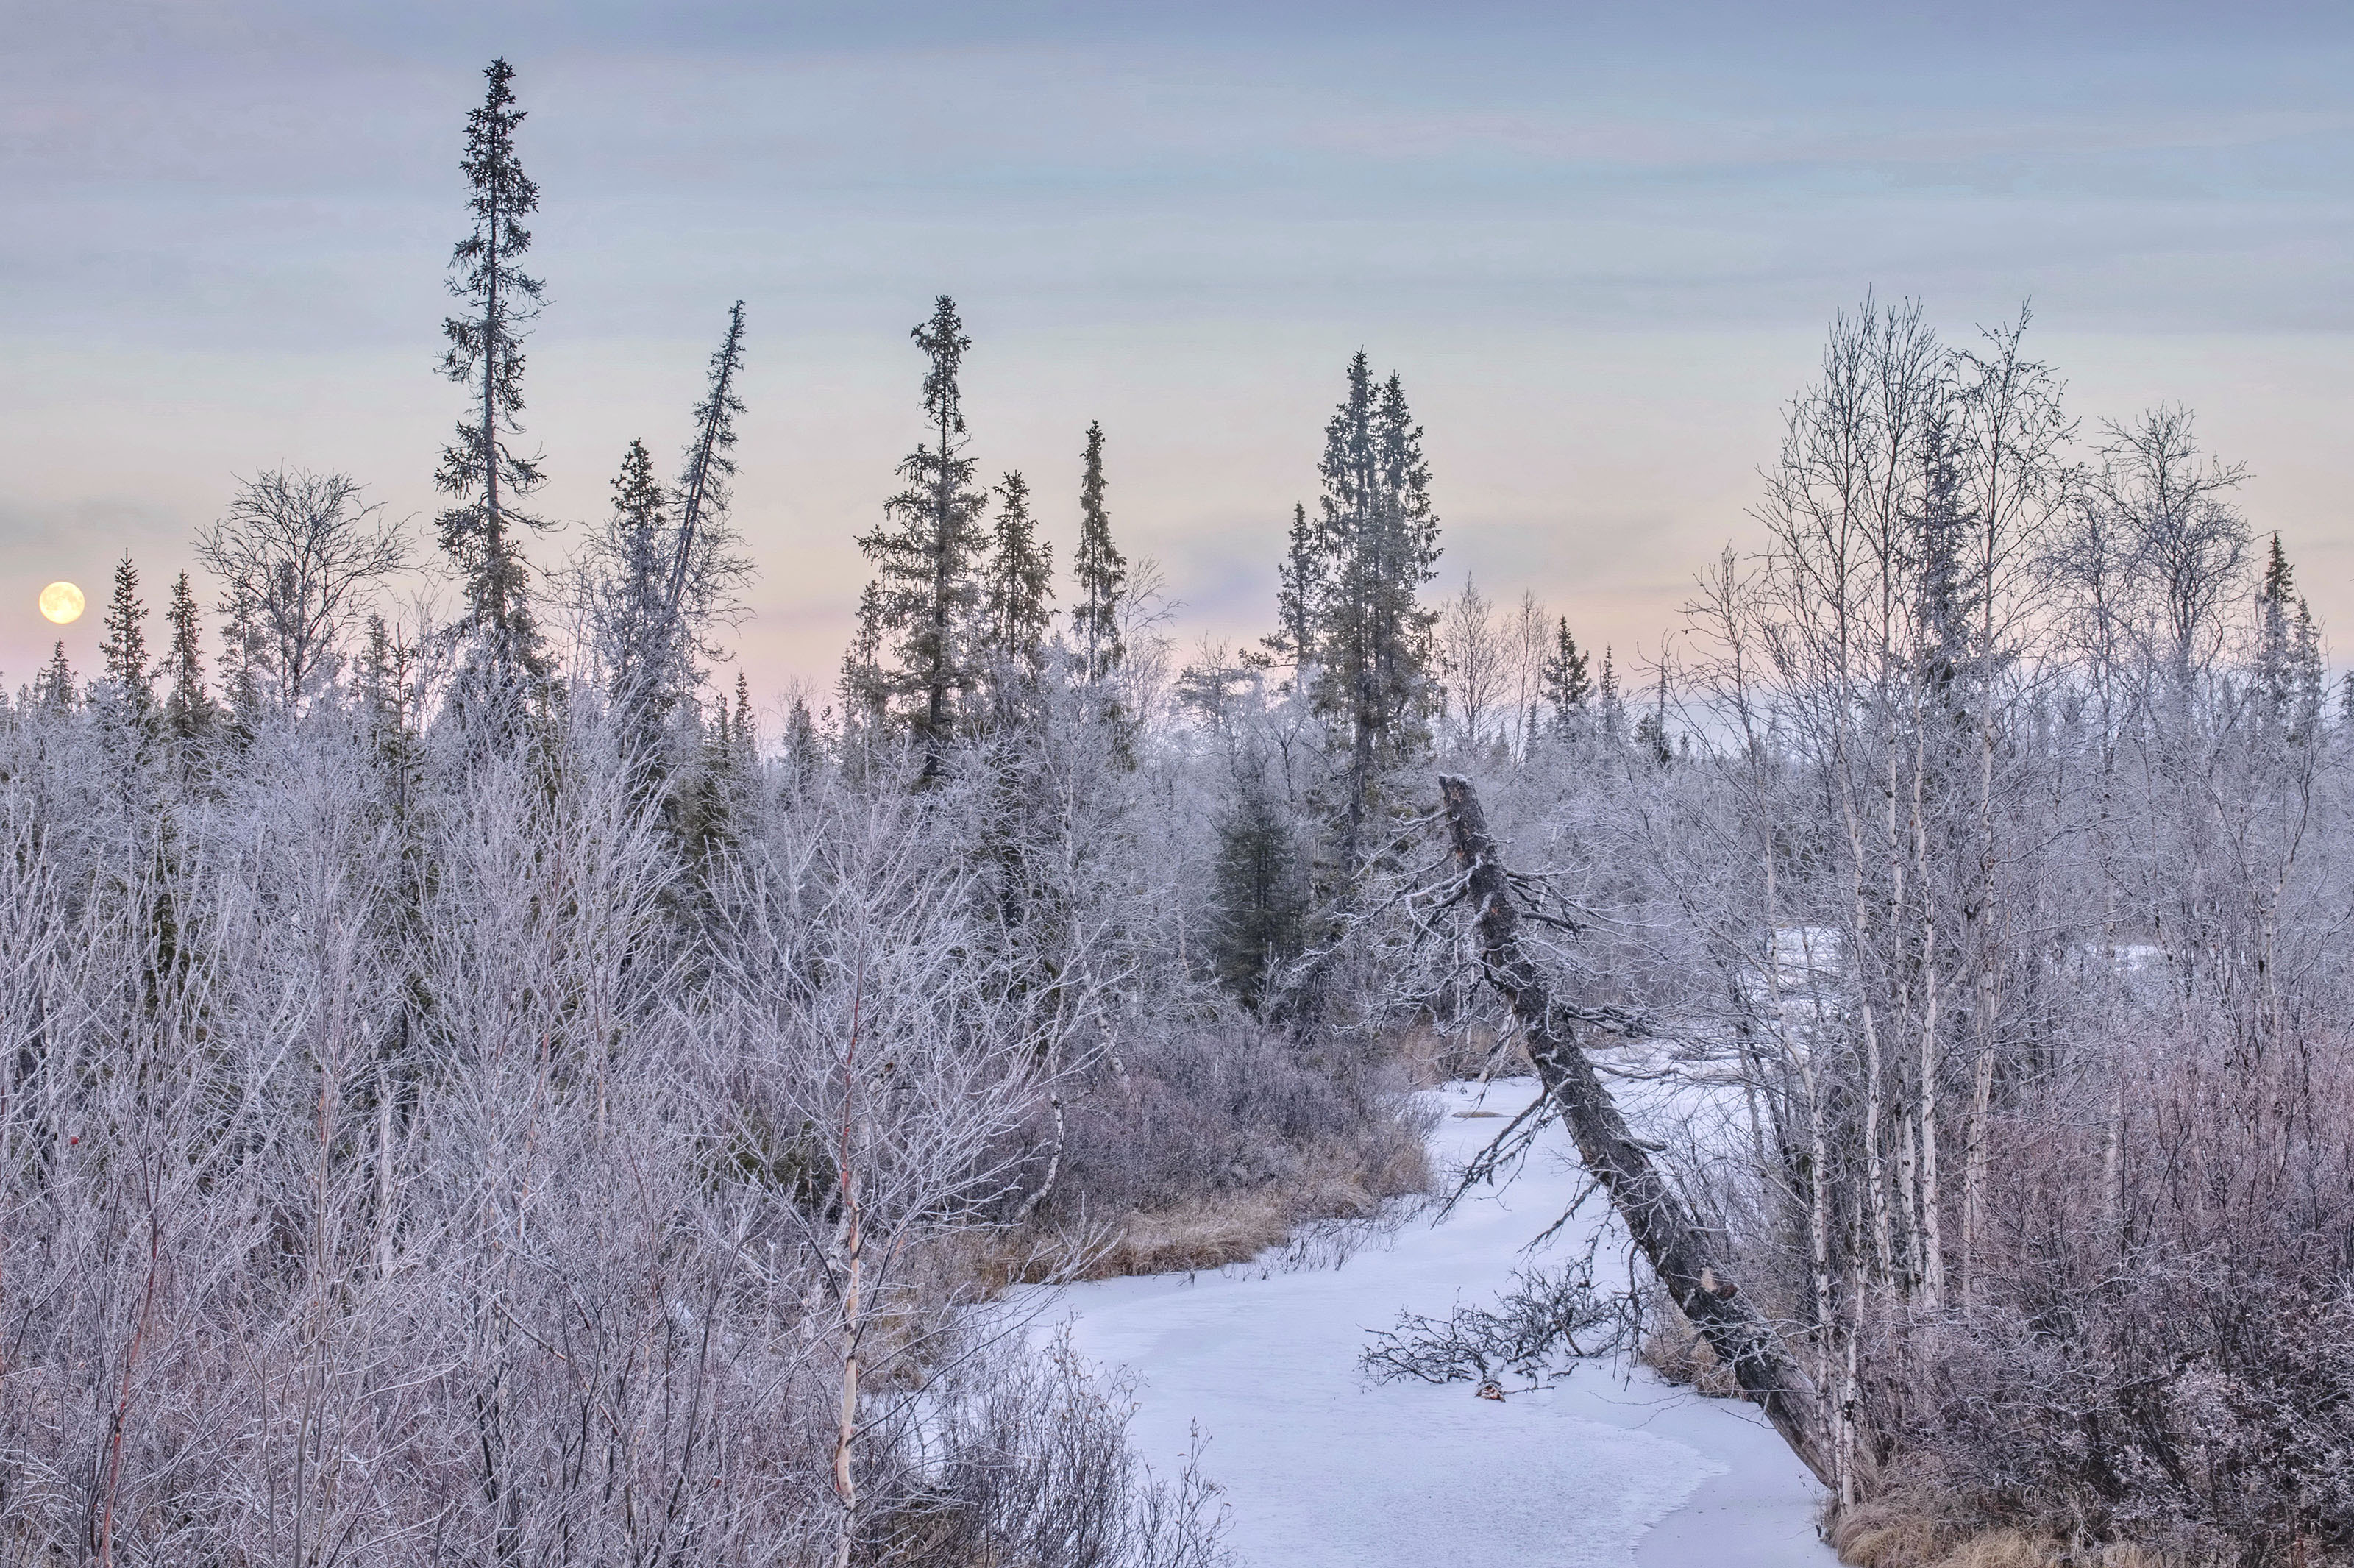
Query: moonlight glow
column 62, row 602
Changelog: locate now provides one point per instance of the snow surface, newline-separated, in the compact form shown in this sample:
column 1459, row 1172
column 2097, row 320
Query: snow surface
column 1321, row 1468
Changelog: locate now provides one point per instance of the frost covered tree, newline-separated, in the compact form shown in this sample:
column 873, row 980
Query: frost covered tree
column 1098, row 572
column 1353, row 585
column 125, row 647
column 1473, row 662
column 54, row 688
column 630, row 601
column 300, row 556
column 1568, row 688
column 1017, row 591
column 482, row 530
column 189, row 711
column 1299, row 580
column 926, row 592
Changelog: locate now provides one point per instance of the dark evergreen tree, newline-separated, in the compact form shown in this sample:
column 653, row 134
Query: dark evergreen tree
column 632, row 605
column 388, row 685
column 704, row 562
column 1261, row 885
column 803, row 749
column 54, row 687
column 1567, row 688
column 189, row 713
column 865, row 686
column 1614, row 710
column 747, row 736
column 1298, row 578
column 926, row 594
column 125, row 648
column 1651, row 730
column 2275, row 628
column 1099, row 571
column 480, row 532
column 1377, row 546
column 2290, row 676
column 1018, row 589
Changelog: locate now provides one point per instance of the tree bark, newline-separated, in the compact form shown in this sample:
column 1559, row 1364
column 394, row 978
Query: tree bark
column 1681, row 1253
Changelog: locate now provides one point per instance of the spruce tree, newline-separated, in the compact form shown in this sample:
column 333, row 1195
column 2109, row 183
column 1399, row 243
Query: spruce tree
column 189, row 711
column 54, row 687
column 1614, row 711
column 1261, row 887
column 803, row 749
column 1298, row 577
column 925, row 595
column 866, row 686
column 704, row 565
column 746, row 732
column 1376, row 546
column 2290, row 675
column 632, row 596
column 2275, row 628
column 125, row 648
column 1567, row 688
column 1099, row 570
column 386, row 677
column 1652, row 729
column 703, row 484
column 480, row 532
column 1018, row 586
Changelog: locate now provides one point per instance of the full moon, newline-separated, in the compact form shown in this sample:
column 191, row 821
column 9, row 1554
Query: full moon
column 62, row 602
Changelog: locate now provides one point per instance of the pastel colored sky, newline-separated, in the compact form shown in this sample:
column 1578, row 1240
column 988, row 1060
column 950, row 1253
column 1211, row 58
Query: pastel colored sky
column 1600, row 244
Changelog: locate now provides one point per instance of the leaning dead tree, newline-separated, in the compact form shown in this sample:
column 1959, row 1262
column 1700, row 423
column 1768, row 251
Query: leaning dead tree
column 1687, row 1261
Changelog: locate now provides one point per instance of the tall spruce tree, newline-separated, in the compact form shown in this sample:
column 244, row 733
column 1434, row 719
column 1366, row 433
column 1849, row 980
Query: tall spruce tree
column 53, row 688
column 865, row 686
column 1567, row 688
column 1614, row 709
column 1260, row 887
column 1099, row 570
column 1018, row 590
column 189, row 711
column 2290, row 675
column 926, row 594
column 480, row 532
column 1298, row 578
column 2274, row 626
column 704, row 563
column 1360, row 578
column 632, row 604
column 125, row 648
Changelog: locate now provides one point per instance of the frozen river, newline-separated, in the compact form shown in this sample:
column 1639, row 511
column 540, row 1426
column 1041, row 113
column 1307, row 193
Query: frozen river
column 1320, row 1468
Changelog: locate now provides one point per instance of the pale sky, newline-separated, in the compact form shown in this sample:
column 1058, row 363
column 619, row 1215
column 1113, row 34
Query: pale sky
column 1600, row 247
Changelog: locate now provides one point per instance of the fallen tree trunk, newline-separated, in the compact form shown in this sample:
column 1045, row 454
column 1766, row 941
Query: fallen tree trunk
column 1683, row 1256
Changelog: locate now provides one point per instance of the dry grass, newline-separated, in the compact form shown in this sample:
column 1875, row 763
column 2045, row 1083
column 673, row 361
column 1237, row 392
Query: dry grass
column 1332, row 1182
column 1914, row 1525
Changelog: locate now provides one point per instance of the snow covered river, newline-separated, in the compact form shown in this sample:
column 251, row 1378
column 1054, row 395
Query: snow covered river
column 1320, row 1468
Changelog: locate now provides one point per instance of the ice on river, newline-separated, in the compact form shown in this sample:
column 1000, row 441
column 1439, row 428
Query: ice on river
column 1320, row 1468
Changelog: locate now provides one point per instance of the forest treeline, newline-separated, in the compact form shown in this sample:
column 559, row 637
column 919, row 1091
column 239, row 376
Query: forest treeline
column 473, row 1093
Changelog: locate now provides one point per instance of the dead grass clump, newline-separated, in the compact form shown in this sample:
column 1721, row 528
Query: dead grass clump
column 1205, row 1234
column 1885, row 1533
column 1330, row 1183
column 1917, row 1522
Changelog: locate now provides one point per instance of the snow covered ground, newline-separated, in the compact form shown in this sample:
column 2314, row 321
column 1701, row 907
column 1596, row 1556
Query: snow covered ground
column 1320, row 1468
